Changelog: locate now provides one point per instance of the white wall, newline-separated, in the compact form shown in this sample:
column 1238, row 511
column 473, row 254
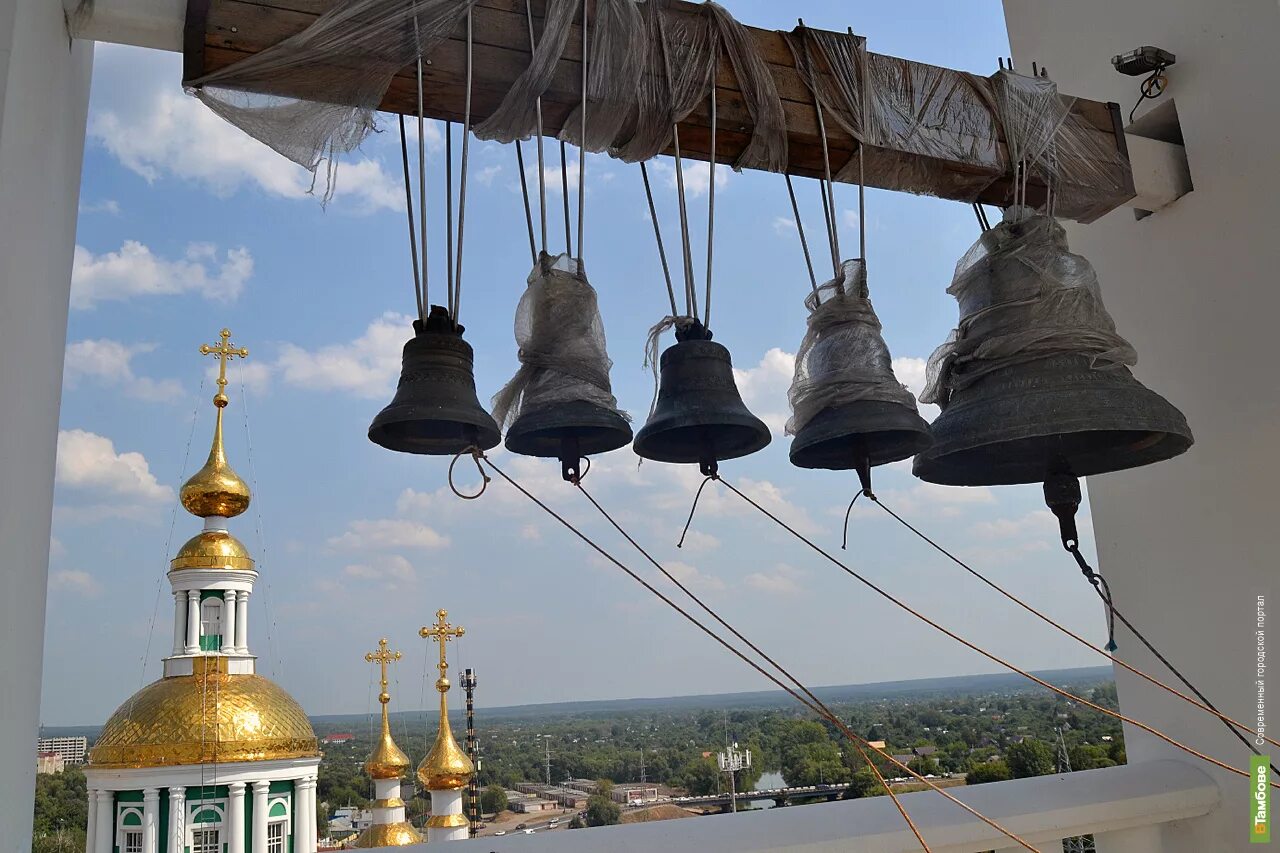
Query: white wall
column 44, row 89
column 1188, row 544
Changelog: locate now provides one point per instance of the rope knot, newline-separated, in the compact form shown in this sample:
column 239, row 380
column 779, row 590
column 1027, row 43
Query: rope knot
column 476, row 454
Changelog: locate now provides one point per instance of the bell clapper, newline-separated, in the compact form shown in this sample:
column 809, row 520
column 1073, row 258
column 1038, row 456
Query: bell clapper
column 570, row 459
column 1062, row 496
column 862, row 464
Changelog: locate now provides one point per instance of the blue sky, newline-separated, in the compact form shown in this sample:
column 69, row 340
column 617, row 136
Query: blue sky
column 187, row 226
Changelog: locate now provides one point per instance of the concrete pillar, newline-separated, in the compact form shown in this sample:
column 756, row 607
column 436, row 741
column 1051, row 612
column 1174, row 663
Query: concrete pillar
column 193, row 621
column 447, row 822
column 92, row 796
column 235, row 818
column 44, row 90
column 1141, row 839
column 304, row 816
column 229, row 621
column 260, row 790
column 104, row 830
column 177, row 820
column 242, row 623
column 312, row 838
column 150, row 820
column 179, row 622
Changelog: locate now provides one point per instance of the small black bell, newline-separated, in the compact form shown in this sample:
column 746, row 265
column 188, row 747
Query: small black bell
column 435, row 410
column 1036, row 380
column 699, row 415
column 849, row 411
column 561, row 397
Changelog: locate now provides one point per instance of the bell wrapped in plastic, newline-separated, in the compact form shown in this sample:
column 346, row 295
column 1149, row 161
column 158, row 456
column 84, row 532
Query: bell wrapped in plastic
column 698, row 415
column 560, row 403
column 1035, row 381
column 849, row 411
column 435, row 410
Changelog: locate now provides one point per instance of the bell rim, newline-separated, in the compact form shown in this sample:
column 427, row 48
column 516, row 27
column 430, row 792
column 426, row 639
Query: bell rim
column 528, row 441
column 811, row 445
column 750, row 426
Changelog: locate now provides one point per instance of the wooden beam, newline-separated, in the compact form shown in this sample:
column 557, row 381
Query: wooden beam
column 955, row 163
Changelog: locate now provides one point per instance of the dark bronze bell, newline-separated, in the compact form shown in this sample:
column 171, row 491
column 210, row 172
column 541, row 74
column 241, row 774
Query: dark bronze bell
column 568, row 432
column 699, row 415
column 844, row 355
column 435, row 410
column 1058, row 415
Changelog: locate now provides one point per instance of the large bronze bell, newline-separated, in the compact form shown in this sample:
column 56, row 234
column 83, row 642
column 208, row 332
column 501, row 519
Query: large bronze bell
column 435, row 410
column 699, row 415
column 1058, row 415
column 1036, row 382
column 867, row 417
column 567, row 431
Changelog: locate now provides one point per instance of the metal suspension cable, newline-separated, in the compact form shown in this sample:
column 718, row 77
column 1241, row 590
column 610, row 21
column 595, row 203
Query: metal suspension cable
column 690, row 297
column 273, row 650
column 828, row 193
column 657, row 233
column 480, row 457
column 448, row 215
column 974, row 647
column 582, row 140
column 862, row 162
column 711, row 210
column 1207, row 706
column 814, row 703
column 542, row 175
column 413, row 238
column 524, row 193
column 462, row 180
column 422, row 183
column 804, row 244
column 564, row 197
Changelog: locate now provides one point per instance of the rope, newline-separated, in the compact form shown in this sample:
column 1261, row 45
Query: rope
column 989, row 655
column 1207, row 706
column 818, row 708
column 485, row 477
column 693, row 509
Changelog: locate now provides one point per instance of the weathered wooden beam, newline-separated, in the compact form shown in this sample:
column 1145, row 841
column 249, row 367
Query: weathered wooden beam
column 222, row 32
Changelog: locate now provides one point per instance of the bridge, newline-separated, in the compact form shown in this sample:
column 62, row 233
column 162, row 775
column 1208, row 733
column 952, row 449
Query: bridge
column 780, row 796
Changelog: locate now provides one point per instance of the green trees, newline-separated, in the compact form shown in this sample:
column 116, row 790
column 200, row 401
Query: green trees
column 697, row 776
column 493, row 799
column 602, row 811
column 924, row 765
column 1030, row 758
column 988, row 771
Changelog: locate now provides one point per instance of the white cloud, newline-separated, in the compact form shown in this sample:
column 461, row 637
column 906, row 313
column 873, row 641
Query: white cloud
column 783, row 580
column 107, row 205
column 486, row 176
column 387, row 534
column 391, row 569
column 135, row 270
column 764, row 388
column 910, row 372
column 89, row 461
column 944, row 501
column 784, row 225
column 255, row 376
column 1037, row 523
column 531, row 533
column 75, row 582
column 109, row 363
column 696, row 541
column 697, row 175
column 56, row 549
column 366, row 367
column 162, row 133
column 693, row 578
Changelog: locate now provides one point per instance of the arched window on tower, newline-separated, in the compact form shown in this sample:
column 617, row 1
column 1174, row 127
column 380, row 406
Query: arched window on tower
column 211, row 624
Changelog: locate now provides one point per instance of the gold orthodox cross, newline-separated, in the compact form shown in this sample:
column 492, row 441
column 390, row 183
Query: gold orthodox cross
column 442, row 632
column 382, row 657
column 223, row 352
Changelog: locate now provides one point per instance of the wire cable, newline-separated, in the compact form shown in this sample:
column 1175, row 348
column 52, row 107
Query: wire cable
column 542, row 168
column 657, row 233
column 1207, row 707
column 564, row 197
column 711, row 210
column 989, row 655
column 524, row 193
column 408, row 206
column 582, row 140
column 736, row 652
column 804, row 244
column 462, row 180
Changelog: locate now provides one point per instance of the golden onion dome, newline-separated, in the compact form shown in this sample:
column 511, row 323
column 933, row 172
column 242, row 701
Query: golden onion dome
column 446, row 767
column 212, row 549
column 206, row 717
column 388, row 761
column 216, row 489
column 387, row 835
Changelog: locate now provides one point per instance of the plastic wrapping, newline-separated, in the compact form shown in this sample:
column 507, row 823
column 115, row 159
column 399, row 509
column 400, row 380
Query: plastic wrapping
column 562, row 346
column 843, row 357
column 831, row 66
column 1080, row 164
column 1023, row 296
column 616, row 45
column 336, row 72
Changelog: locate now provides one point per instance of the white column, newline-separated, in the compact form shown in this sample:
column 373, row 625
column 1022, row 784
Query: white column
column 229, row 621
column 311, row 815
column 235, row 818
column 177, row 820
column 92, row 796
column 260, row 790
column 304, row 806
column 44, row 89
column 179, row 622
column 150, row 820
column 242, row 623
column 447, row 823
column 193, row 621
column 104, row 831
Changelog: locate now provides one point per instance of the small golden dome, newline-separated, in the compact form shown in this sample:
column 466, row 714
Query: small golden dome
column 446, row 767
column 387, row 835
column 212, row 549
column 388, row 761
column 216, row 489
column 205, row 718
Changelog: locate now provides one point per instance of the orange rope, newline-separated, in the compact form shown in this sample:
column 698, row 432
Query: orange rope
column 989, row 655
column 1073, row 635
column 818, row 708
